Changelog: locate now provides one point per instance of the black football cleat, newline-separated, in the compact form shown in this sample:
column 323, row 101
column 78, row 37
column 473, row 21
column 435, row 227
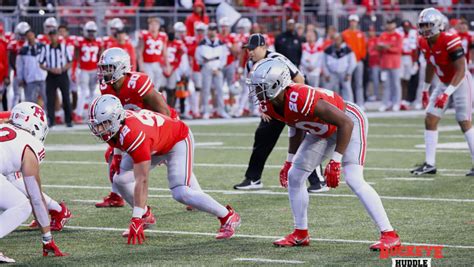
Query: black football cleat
column 424, row 169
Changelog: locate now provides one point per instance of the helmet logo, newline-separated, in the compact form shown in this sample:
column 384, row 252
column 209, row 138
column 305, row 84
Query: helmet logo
column 39, row 113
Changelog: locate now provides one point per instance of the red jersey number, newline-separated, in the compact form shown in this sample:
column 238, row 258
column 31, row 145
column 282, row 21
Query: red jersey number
column 7, row 134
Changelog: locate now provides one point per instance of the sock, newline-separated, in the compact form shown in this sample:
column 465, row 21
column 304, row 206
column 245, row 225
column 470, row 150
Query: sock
column 224, row 219
column 367, row 195
column 125, row 184
column 298, row 195
column 469, row 135
column 431, row 141
column 47, row 237
column 198, row 200
column 52, row 204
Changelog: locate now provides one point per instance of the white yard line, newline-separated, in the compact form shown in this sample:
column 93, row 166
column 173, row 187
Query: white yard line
column 257, row 236
column 268, row 192
column 409, row 179
column 268, row 260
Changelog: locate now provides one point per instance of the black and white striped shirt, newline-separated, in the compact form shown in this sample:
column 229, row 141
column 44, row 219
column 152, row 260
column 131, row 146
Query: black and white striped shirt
column 55, row 57
column 294, row 71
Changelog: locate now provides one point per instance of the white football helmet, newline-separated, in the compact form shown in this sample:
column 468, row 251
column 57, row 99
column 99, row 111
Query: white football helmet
column 106, row 115
column 200, row 26
column 244, row 25
column 268, row 78
column 31, row 118
column 50, row 24
column 22, row 27
column 224, row 22
column 179, row 27
column 90, row 29
column 113, row 64
column 114, row 25
column 430, row 22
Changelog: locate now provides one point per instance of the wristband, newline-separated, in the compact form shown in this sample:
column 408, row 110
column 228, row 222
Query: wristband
column 336, row 156
column 426, row 86
column 289, row 157
column 138, row 212
column 450, row 90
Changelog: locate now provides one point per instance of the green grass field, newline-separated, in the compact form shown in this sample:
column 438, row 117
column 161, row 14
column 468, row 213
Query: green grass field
column 434, row 210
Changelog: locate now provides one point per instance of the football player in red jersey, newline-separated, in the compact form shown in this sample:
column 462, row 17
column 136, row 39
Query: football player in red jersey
column 148, row 139
column 113, row 27
column 444, row 55
column 152, row 52
column 49, row 24
column 230, row 40
column 88, row 49
column 326, row 127
column 462, row 29
column 13, row 48
column 136, row 91
column 70, row 41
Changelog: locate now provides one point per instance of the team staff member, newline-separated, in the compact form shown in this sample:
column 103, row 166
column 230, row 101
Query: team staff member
column 56, row 60
column 269, row 130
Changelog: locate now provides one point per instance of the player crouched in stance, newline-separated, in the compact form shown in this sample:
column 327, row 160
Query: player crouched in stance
column 445, row 56
column 148, row 139
column 335, row 129
column 22, row 150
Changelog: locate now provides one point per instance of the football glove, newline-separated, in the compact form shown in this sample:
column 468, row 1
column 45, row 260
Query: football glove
column 441, row 101
column 53, row 248
column 284, row 174
column 136, row 231
column 332, row 173
column 115, row 166
column 425, row 98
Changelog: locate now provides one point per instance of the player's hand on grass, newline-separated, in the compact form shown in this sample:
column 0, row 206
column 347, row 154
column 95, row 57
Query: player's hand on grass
column 332, row 173
column 51, row 247
column 136, row 231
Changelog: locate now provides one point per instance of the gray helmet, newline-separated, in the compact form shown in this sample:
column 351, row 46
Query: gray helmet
column 430, row 22
column 268, row 78
column 50, row 24
column 113, row 64
column 106, row 114
column 22, row 28
column 90, row 29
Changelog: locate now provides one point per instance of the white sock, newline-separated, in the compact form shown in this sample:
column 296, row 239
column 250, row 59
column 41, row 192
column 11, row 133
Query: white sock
column 298, row 195
column 431, row 141
column 198, row 200
column 125, row 185
column 51, row 203
column 354, row 175
column 469, row 135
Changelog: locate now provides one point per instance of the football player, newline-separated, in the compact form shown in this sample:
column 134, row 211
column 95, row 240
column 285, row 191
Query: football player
column 152, row 52
column 329, row 127
column 148, row 139
column 50, row 24
column 22, row 150
column 113, row 27
column 445, row 56
column 13, row 48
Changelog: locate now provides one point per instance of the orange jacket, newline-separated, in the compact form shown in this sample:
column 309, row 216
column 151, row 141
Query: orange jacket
column 355, row 39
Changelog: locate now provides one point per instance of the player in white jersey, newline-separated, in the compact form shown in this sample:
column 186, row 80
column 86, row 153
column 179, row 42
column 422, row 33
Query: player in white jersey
column 22, row 150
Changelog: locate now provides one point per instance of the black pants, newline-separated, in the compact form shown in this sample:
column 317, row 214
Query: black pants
column 266, row 137
column 53, row 82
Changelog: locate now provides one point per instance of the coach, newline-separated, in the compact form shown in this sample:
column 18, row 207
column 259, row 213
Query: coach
column 56, row 60
column 269, row 130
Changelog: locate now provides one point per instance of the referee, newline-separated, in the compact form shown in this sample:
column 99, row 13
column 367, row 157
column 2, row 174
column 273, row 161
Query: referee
column 56, row 60
column 268, row 131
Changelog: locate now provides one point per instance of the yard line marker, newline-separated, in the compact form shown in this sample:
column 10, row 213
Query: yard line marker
column 384, row 136
column 111, row 229
column 268, row 260
column 268, row 192
column 103, row 147
column 96, row 200
column 409, row 179
column 234, row 165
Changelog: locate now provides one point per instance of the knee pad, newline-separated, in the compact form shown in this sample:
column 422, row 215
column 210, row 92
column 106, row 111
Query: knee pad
column 180, row 193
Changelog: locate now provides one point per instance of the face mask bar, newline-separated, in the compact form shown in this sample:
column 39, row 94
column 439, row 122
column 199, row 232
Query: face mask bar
column 102, row 130
column 425, row 29
column 106, row 72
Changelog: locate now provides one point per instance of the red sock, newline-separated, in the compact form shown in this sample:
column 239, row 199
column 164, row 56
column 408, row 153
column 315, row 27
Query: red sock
column 299, row 233
column 224, row 219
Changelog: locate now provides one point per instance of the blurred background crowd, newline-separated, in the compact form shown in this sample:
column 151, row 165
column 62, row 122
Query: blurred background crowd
column 366, row 50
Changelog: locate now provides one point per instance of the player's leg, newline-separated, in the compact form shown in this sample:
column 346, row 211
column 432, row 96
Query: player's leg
column 218, row 85
column 387, row 91
column 462, row 99
column 83, row 95
column 358, row 81
column 64, row 87
column 124, row 182
column 180, row 161
column 206, row 92
column 433, row 116
column 15, row 206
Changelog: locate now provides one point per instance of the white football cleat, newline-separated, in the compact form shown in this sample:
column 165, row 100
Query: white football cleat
column 5, row 259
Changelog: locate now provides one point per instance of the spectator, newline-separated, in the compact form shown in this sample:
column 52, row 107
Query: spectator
column 339, row 63
column 4, row 79
column 408, row 60
column 462, row 29
column 289, row 44
column 374, row 62
column 300, row 31
column 330, row 33
column 211, row 55
column 390, row 47
column 311, row 59
column 56, row 61
column 355, row 39
column 198, row 15
column 29, row 72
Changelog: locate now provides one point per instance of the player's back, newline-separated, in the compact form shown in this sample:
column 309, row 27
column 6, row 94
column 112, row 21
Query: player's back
column 13, row 142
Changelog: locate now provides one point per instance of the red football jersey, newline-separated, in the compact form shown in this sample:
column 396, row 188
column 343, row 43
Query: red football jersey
column 191, row 43
column 88, row 52
column 135, row 86
column 153, row 46
column 300, row 101
column 466, row 43
column 146, row 133
column 109, row 42
column 176, row 49
column 229, row 40
column 438, row 54
column 14, row 46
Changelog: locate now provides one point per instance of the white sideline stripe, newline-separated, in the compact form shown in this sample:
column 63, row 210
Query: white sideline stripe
column 255, row 236
column 97, row 200
column 383, row 136
column 103, row 147
column 225, row 165
column 267, row 192
column 268, row 260
column 398, row 150
column 409, row 179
